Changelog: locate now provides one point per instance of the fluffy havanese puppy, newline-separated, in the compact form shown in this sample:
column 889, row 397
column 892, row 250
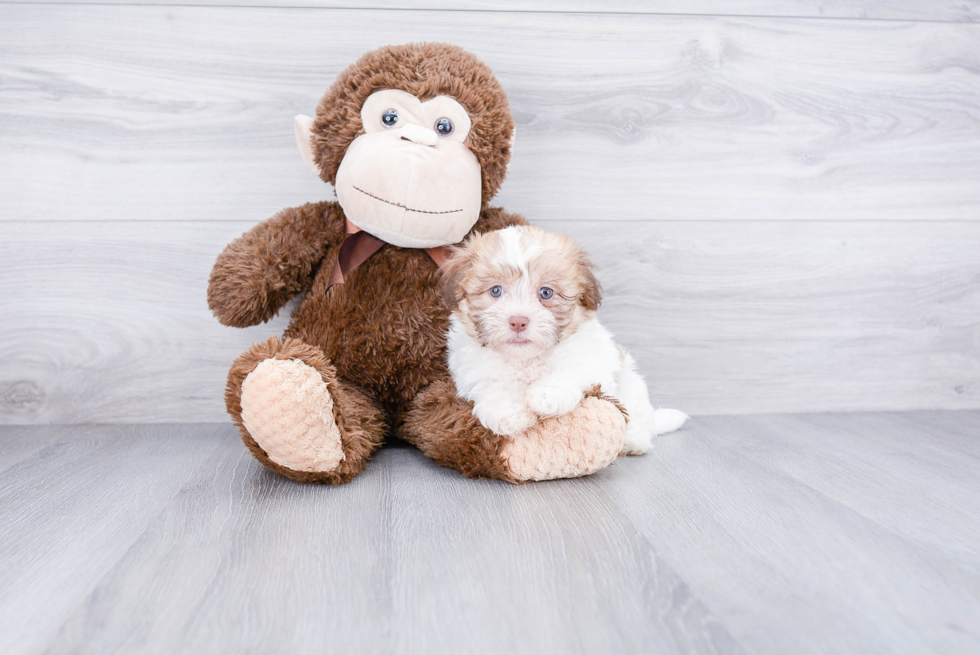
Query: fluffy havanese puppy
column 524, row 342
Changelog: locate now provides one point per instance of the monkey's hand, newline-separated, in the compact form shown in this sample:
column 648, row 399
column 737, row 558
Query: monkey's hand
column 261, row 270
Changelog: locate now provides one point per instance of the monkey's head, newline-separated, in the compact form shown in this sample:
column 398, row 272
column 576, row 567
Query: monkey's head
column 416, row 141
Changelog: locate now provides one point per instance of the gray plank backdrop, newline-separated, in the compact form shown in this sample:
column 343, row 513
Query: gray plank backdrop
column 945, row 10
column 783, row 198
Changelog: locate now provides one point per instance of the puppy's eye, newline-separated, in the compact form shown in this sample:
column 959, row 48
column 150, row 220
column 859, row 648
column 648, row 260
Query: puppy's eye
column 444, row 127
column 496, row 291
column 389, row 118
column 546, row 293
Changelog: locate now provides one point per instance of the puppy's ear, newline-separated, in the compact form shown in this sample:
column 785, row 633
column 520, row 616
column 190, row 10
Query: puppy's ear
column 453, row 272
column 591, row 289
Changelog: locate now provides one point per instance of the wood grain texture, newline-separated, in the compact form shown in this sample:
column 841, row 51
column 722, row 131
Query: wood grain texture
column 550, row 569
column 76, row 507
column 114, row 323
column 763, row 534
column 108, row 322
column 820, row 511
column 393, row 562
column 185, row 113
column 243, row 560
column 936, row 10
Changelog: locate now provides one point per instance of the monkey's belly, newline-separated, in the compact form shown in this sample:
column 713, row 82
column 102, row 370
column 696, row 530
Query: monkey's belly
column 394, row 371
column 384, row 328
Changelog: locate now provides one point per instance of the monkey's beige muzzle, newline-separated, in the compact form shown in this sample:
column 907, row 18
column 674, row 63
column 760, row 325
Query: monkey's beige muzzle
column 410, row 188
column 419, row 135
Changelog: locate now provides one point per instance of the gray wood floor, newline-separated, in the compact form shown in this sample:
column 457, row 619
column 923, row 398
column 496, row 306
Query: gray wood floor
column 771, row 534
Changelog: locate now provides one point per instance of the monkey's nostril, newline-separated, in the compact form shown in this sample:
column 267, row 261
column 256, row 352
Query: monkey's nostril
column 518, row 323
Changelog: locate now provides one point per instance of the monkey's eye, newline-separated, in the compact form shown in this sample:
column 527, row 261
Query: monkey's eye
column 389, row 118
column 496, row 291
column 444, row 127
column 546, row 293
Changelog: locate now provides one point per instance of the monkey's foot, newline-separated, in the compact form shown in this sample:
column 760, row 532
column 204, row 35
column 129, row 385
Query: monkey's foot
column 581, row 442
column 289, row 412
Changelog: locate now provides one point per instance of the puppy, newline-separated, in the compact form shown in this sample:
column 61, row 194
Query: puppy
column 524, row 342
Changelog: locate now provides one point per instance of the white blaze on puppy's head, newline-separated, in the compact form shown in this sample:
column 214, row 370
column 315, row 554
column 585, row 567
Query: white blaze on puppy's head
column 520, row 290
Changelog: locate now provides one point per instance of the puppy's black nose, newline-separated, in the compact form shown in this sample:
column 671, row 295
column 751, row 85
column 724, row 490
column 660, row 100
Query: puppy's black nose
column 518, row 323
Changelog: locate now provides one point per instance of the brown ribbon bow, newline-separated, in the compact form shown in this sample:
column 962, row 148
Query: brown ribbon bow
column 358, row 247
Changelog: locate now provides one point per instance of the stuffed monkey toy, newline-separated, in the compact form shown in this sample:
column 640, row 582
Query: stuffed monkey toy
column 416, row 140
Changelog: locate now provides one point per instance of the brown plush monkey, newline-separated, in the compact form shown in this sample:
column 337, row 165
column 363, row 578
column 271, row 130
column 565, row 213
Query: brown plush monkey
column 416, row 140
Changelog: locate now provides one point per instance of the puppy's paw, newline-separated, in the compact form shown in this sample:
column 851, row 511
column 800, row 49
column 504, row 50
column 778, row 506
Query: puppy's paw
column 516, row 423
column 510, row 423
column 546, row 400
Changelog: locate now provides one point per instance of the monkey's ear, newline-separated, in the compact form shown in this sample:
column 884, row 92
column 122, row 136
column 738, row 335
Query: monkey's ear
column 304, row 130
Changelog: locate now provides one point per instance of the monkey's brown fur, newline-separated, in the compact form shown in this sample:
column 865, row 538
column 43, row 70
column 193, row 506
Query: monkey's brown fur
column 455, row 437
column 377, row 340
column 426, row 71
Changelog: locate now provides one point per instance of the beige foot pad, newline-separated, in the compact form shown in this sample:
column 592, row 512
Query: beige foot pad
column 288, row 410
column 581, row 442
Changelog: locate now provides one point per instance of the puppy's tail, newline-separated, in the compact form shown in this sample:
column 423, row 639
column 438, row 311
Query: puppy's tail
column 668, row 420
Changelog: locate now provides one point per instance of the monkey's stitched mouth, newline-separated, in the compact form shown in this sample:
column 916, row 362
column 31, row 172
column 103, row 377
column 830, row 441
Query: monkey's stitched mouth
column 398, row 204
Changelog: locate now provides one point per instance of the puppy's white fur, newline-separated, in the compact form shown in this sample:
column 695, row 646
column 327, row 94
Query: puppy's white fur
column 514, row 378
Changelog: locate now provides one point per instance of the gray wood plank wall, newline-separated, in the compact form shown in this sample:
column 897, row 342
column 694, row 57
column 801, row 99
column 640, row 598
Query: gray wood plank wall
column 943, row 10
column 783, row 198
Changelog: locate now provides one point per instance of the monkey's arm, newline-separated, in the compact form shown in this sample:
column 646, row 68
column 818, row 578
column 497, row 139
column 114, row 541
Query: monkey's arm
column 261, row 270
